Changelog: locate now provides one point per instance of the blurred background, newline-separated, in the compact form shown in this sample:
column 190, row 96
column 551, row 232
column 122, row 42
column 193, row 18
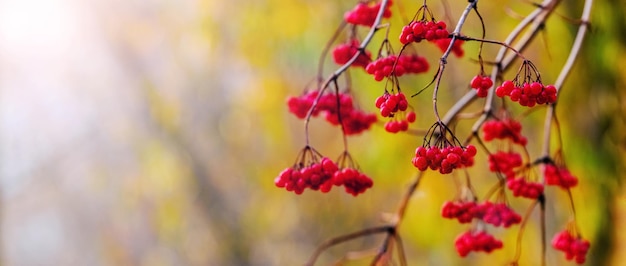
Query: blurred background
column 149, row 132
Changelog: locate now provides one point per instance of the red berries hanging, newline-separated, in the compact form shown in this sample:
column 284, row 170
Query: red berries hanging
column 417, row 31
column 344, row 52
column 457, row 47
column 526, row 88
column 464, row 212
column 559, row 176
column 354, row 181
column 522, row 188
column 364, row 14
column 312, row 171
column 443, row 154
column 481, row 84
column 445, row 159
column 476, row 241
column 505, row 163
column 575, row 248
column 527, row 94
column 354, row 120
column 504, row 129
column 497, row 214
column 406, row 64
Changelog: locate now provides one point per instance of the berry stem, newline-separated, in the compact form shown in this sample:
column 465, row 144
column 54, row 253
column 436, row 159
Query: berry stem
column 340, row 239
column 520, row 233
column 444, row 58
column 320, row 67
column 343, row 128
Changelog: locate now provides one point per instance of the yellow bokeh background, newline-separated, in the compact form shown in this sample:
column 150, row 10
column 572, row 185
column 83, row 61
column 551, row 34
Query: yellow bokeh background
column 150, row 133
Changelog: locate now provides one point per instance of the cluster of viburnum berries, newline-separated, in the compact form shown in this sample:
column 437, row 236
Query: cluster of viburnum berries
column 420, row 30
column 476, row 241
column 364, row 14
column 574, row 246
column 315, row 172
column 528, row 94
column 497, row 214
column 333, row 107
column 397, row 65
column 344, row 52
column 504, row 129
column 444, row 159
column 481, row 84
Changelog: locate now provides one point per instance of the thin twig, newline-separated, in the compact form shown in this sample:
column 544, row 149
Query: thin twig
column 345, row 66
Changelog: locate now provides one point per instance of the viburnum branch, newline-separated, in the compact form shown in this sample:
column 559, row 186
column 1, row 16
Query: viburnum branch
column 566, row 70
column 520, row 233
column 340, row 239
column 320, row 67
column 444, row 58
column 343, row 128
column 344, row 67
column 502, row 63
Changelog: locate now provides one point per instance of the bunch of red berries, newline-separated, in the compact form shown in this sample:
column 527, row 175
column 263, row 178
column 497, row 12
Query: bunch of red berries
column 505, row 163
column 354, row 181
column 365, row 14
column 574, row 247
column 559, row 176
column 522, row 188
column 397, row 125
column 344, row 52
column 417, row 31
column 527, row 94
column 457, row 47
column 504, row 129
column 462, row 211
column 389, row 104
column 497, row 214
column 316, row 176
column 354, row 120
column 481, row 84
column 476, row 241
column 445, row 160
column 407, row 64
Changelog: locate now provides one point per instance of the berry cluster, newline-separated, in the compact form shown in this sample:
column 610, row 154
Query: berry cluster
column 354, row 181
column 344, row 52
column 559, row 176
column 445, row 160
column 316, row 176
column 523, row 188
column 322, row 174
column 365, row 14
column 480, row 241
column 457, row 48
column 504, row 129
column 389, row 104
column 417, row 31
column 497, row 214
column 354, row 120
column 397, row 125
column 505, row 163
column 462, row 211
column 574, row 247
column 481, row 84
column 527, row 94
column 406, row 64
